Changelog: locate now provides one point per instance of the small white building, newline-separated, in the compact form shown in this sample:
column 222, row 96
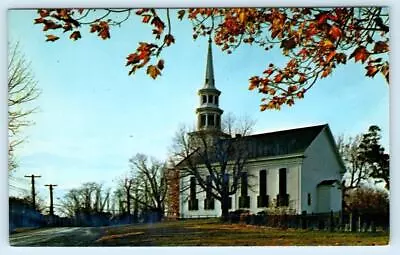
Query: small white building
column 299, row 169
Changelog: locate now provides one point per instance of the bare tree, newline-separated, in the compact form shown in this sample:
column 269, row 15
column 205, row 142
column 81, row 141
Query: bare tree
column 233, row 125
column 22, row 89
column 216, row 161
column 151, row 183
column 90, row 198
column 356, row 169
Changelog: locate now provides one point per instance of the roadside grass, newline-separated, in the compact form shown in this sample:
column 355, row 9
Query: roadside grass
column 214, row 233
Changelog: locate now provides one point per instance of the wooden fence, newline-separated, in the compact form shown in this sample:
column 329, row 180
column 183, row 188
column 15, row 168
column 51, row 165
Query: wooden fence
column 326, row 221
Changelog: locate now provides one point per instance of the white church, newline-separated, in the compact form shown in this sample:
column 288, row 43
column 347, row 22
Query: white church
column 299, row 169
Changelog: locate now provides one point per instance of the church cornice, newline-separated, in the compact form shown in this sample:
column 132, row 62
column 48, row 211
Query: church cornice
column 207, row 91
column 209, row 109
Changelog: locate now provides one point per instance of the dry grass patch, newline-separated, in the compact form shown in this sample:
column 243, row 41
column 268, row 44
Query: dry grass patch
column 214, row 233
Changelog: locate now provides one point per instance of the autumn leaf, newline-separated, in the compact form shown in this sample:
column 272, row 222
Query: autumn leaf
column 278, row 78
column 132, row 59
column 168, row 39
column 253, row 86
column 321, row 18
column 50, row 25
column 371, row 70
column 326, row 72
column 272, row 92
column 43, row 13
column 243, row 16
column 39, row 20
column 385, row 72
column 292, row 89
column 290, row 102
column 160, row 64
column 288, row 44
column 181, row 13
column 254, row 81
column 381, row 47
column 341, row 58
column 360, row 53
column 146, row 18
column 52, row 38
column 94, row 28
column 75, row 35
column 269, row 71
column 157, row 22
column 300, row 94
column 302, row 79
column 330, row 56
column 153, row 71
column 263, row 107
column 104, row 32
column 335, row 32
column 327, row 44
column 67, row 27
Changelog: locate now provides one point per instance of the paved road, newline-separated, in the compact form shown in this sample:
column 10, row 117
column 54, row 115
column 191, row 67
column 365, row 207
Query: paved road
column 71, row 236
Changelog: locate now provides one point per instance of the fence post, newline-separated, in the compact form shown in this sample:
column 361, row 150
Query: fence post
column 303, row 219
column 332, row 224
column 351, row 222
column 373, row 227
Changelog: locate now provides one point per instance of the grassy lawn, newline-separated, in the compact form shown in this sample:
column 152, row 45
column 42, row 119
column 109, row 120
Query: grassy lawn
column 214, row 233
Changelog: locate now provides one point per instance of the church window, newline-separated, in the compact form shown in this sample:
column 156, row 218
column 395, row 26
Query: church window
column 211, row 119
column 192, row 188
column 262, row 199
column 204, row 99
column 202, row 120
column 263, row 182
column 283, row 197
column 210, row 99
column 308, row 199
column 216, row 100
column 218, row 121
column 243, row 184
column 193, row 202
column 282, row 181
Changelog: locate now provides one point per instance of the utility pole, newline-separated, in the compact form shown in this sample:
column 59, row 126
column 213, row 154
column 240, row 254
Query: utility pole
column 33, row 188
column 51, row 197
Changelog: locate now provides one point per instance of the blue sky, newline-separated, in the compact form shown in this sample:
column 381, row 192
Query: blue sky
column 93, row 117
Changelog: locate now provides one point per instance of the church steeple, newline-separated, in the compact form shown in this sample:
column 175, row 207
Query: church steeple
column 209, row 82
column 209, row 113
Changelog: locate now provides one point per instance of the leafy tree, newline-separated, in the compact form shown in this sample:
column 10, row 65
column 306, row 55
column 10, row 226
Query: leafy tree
column 373, row 153
column 22, row 89
column 314, row 40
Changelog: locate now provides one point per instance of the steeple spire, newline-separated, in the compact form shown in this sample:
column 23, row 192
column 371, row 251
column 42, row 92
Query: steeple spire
column 209, row 82
column 209, row 113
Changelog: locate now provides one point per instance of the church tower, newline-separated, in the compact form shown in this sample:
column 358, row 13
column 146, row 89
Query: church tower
column 209, row 113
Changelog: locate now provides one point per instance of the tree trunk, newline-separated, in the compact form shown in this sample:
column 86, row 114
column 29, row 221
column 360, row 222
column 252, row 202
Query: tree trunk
column 225, row 208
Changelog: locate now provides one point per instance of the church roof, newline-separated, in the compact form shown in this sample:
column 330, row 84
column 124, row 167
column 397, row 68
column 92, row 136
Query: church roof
column 271, row 144
column 282, row 142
